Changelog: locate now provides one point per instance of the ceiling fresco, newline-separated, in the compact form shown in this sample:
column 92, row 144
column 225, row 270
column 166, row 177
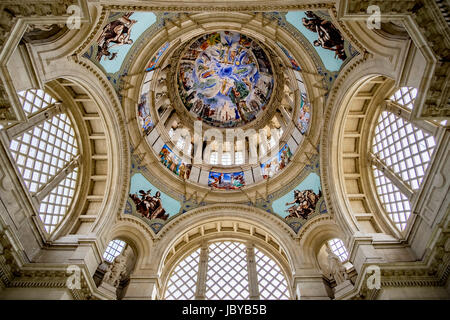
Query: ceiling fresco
column 225, row 79
column 296, row 203
column 125, row 33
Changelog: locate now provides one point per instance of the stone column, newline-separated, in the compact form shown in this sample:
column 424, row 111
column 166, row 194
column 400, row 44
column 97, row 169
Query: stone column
column 202, row 273
column 252, row 273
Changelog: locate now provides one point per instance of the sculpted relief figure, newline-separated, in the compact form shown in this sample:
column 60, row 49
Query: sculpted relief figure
column 336, row 267
column 117, row 269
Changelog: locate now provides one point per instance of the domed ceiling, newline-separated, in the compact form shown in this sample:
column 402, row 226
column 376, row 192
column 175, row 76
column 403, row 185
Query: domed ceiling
column 179, row 68
column 225, row 79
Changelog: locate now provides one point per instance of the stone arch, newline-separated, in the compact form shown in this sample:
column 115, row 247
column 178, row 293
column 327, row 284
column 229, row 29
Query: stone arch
column 350, row 82
column 90, row 86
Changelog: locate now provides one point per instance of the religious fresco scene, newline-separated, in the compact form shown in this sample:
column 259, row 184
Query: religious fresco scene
column 225, row 79
column 294, row 62
column 277, row 163
column 305, row 114
column 154, row 60
column 145, row 120
column 226, row 181
column 174, row 163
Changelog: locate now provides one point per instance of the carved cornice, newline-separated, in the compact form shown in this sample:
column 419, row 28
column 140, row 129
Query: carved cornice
column 217, row 8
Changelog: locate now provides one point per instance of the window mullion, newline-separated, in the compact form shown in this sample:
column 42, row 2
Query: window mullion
column 60, row 176
column 252, row 273
column 35, row 120
column 401, row 112
column 403, row 187
column 200, row 292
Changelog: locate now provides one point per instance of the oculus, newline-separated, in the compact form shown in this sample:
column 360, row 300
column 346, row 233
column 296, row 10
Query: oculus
column 225, row 79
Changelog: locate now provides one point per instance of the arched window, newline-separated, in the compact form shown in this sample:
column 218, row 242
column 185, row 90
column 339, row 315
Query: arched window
column 401, row 153
column 228, row 270
column 337, row 246
column 114, row 248
column 45, row 151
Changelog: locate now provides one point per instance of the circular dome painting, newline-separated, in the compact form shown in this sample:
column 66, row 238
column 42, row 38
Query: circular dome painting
column 225, row 79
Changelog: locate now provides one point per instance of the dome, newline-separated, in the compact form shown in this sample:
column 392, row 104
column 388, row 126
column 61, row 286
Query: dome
column 225, row 79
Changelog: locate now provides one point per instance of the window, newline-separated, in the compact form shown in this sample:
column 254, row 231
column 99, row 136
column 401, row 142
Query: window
column 54, row 206
column 403, row 147
column 114, row 248
column 226, row 158
column 181, row 143
column 401, row 154
column 394, row 201
column 171, row 132
column 34, row 100
column 227, row 277
column 182, row 283
column 338, row 248
column 45, row 151
column 213, row 158
column 271, row 282
column 227, row 273
column 238, row 157
column 405, row 96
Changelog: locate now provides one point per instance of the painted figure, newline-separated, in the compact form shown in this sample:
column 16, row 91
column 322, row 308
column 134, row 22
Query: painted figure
column 220, row 74
column 304, row 204
column 115, row 33
column 149, row 206
column 329, row 36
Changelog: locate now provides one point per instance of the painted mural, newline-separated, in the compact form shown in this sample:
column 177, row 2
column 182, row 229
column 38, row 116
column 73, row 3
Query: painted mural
column 174, row 163
column 117, row 37
column 226, row 181
column 154, row 60
column 145, row 120
column 150, row 202
column 225, row 79
column 303, row 205
column 326, row 39
column 277, row 163
column 305, row 114
column 294, row 63
column 328, row 36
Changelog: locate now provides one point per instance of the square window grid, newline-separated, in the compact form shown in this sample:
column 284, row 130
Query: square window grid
column 226, row 159
column 34, row 100
column 338, row 248
column 183, row 281
column 394, row 201
column 238, row 157
column 405, row 96
column 272, row 283
column 227, row 276
column 113, row 249
column 404, row 148
column 44, row 150
column 54, row 206
column 213, row 158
